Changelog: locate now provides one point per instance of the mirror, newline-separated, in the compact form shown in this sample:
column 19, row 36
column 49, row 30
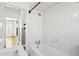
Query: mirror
column 12, row 16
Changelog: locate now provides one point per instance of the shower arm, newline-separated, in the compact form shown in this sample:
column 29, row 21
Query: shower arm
column 34, row 7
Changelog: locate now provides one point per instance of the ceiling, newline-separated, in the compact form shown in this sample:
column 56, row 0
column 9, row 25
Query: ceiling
column 24, row 5
column 42, row 7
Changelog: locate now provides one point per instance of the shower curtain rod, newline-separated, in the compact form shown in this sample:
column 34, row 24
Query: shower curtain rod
column 34, row 7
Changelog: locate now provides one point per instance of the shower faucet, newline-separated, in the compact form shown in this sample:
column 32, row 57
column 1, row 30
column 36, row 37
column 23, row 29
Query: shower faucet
column 37, row 42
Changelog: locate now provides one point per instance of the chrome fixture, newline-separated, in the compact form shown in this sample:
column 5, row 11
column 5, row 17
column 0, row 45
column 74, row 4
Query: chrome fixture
column 37, row 42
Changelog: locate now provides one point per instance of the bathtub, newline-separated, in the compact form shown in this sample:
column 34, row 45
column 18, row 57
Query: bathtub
column 8, row 52
column 45, row 50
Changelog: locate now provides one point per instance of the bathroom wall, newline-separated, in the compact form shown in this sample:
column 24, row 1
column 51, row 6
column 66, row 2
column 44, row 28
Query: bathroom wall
column 33, row 28
column 23, row 26
column 61, row 28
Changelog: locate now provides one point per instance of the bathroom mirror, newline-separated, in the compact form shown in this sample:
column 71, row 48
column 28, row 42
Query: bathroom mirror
column 11, row 16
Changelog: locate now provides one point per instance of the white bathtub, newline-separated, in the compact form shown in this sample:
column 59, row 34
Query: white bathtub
column 45, row 50
column 8, row 51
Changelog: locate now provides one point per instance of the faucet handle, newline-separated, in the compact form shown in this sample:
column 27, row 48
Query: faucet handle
column 37, row 42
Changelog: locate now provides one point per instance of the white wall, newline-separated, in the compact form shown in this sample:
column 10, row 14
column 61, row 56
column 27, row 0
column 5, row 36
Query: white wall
column 61, row 28
column 33, row 28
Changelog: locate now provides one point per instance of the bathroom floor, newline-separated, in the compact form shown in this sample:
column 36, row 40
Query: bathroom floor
column 10, row 41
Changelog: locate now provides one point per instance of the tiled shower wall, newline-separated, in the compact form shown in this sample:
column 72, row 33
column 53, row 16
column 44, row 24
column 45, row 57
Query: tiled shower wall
column 33, row 28
column 61, row 28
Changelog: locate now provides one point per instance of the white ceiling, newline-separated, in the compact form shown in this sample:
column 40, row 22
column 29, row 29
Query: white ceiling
column 42, row 7
column 24, row 5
